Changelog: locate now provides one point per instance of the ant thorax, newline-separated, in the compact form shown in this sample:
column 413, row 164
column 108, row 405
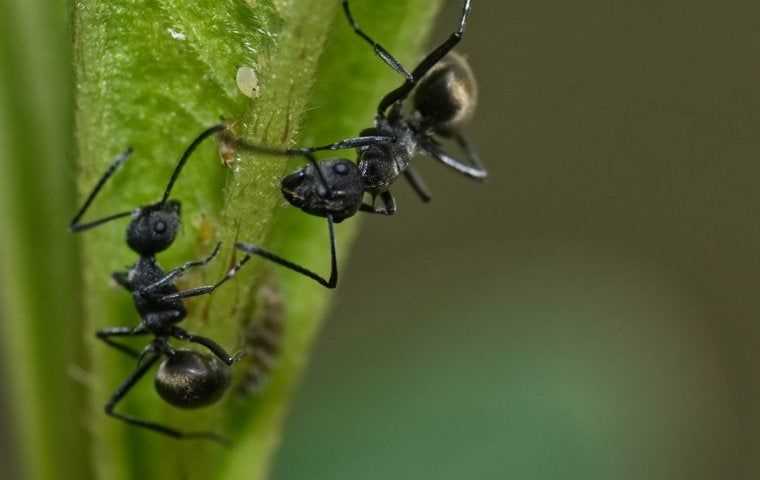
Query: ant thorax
column 381, row 164
column 155, row 312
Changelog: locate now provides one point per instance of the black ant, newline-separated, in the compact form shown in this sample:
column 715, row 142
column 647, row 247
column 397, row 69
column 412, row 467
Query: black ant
column 186, row 378
column 443, row 101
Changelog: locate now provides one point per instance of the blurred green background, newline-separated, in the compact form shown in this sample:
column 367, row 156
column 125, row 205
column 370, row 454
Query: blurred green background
column 588, row 313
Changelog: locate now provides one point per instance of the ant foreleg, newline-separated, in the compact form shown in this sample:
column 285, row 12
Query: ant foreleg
column 206, row 289
column 330, row 283
column 171, row 276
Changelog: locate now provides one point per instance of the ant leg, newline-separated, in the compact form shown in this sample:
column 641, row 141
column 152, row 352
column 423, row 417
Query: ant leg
column 389, row 205
column 427, row 63
column 470, row 152
column 389, row 201
column 418, row 184
column 127, row 385
column 346, row 144
column 367, row 208
column 379, row 50
column 206, row 289
column 350, row 143
column 476, row 172
column 74, row 225
column 122, row 278
column 330, row 283
column 178, row 272
column 214, row 347
column 105, row 335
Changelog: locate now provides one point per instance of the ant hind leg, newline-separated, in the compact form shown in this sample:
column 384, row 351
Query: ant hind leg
column 124, row 389
column 427, row 63
column 214, row 347
column 380, row 51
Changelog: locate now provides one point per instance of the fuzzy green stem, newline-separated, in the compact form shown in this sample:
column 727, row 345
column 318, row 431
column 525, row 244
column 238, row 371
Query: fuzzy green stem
column 42, row 321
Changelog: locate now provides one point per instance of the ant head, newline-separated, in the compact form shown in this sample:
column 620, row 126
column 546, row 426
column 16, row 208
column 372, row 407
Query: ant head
column 189, row 379
column 154, row 228
column 304, row 189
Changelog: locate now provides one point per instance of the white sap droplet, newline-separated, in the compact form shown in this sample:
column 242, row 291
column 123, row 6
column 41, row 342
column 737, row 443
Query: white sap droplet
column 248, row 82
column 176, row 34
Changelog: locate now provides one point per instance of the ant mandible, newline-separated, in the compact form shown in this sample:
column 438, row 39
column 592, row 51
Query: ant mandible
column 444, row 99
column 186, row 378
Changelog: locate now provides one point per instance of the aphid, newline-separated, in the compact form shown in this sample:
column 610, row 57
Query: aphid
column 444, row 99
column 185, row 378
column 263, row 338
column 247, row 82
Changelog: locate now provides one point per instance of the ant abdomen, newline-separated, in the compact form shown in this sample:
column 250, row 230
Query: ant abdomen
column 446, row 97
column 189, row 379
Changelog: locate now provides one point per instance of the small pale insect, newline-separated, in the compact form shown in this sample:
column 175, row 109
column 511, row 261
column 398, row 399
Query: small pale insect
column 247, row 82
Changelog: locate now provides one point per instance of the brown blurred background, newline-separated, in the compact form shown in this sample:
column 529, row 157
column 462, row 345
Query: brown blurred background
column 588, row 313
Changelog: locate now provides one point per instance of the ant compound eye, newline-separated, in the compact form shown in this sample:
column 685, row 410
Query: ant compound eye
column 159, row 226
column 341, row 168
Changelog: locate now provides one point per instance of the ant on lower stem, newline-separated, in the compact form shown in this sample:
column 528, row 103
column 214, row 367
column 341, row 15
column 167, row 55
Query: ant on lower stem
column 445, row 94
column 185, row 378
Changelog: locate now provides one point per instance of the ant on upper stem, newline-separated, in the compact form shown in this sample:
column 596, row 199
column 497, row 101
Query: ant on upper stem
column 185, row 378
column 445, row 94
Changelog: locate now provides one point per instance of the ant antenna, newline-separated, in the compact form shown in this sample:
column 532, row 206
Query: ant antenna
column 189, row 151
column 75, row 226
column 308, row 152
column 296, row 152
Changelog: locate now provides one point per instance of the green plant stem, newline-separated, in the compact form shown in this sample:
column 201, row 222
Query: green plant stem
column 333, row 115
column 42, row 317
